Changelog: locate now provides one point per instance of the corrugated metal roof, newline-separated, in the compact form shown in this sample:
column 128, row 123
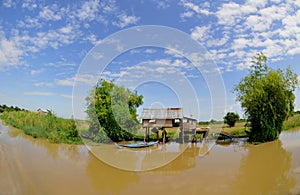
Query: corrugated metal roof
column 162, row 113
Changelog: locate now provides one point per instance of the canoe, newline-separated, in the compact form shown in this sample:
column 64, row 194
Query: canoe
column 224, row 135
column 136, row 145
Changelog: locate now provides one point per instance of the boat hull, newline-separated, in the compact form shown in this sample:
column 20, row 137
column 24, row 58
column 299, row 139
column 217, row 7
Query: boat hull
column 137, row 145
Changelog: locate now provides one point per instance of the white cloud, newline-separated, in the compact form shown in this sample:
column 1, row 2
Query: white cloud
column 29, row 4
column 125, row 20
column 66, row 30
column 276, row 1
column 93, row 39
column 291, row 25
column 187, row 14
column 50, row 13
column 231, row 13
column 160, row 62
column 39, row 93
column 56, row 26
column 84, row 78
column 67, row 96
column 65, row 82
column 241, row 43
column 248, row 28
column 43, row 84
column 10, row 53
column 193, row 7
column 35, row 72
column 161, row 69
column 179, row 63
column 54, row 38
column 259, row 23
column 89, row 10
column 273, row 50
column 9, row 3
column 294, row 51
column 30, row 22
column 200, row 33
column 162, row 4
column 60, row 63
column 218, row 42
column 174, row 52
column 255, row 3
column 109, row 6
column 150, row 51
column 274, row 12
column 218, row 55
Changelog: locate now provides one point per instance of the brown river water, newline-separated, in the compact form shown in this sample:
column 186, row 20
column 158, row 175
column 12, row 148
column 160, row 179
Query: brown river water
column 35, row 166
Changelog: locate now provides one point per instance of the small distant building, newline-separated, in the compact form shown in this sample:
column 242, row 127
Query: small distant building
column 167, row 118
column 40, row 111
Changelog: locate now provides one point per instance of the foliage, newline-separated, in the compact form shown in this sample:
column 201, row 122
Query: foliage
column 203, row 123
column 56, row 130
column 4, row 108
column 231, row 118
column 112, row 112
column 267, row 97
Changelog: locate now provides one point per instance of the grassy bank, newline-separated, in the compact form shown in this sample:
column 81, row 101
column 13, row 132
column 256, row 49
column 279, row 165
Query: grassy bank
column 239, row 129
column 292, row 122
column 56, row 130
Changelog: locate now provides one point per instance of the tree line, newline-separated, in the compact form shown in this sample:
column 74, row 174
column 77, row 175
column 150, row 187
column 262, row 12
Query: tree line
column 4, row 108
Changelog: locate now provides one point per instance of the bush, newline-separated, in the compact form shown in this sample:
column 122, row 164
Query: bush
column 56, row 130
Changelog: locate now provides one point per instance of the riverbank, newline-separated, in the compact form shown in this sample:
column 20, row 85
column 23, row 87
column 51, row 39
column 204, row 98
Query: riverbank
column 59, row 130
column 48, row 126
column 239, row 129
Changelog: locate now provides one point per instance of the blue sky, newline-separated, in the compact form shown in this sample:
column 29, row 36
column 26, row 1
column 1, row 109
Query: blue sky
column 44, row 45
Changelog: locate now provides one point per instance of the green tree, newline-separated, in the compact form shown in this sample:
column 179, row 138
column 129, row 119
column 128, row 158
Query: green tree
column 231, row 118
column 267, row 98
column 112, row 112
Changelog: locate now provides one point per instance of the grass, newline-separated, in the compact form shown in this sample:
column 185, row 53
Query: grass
column 55, row 129
column 239, row 129
column 292, row 122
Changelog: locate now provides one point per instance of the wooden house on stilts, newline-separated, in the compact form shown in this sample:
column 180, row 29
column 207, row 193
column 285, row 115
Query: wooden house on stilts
column 160, row 118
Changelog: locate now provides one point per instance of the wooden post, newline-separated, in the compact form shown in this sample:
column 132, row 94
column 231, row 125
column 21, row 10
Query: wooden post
column 181, row 134
column 146, row 137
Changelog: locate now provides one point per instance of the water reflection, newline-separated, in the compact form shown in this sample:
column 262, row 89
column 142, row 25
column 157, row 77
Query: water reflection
column 265, row 169
column 68, row 151
column 109, row 180
column 138, row 159
column 188, row 159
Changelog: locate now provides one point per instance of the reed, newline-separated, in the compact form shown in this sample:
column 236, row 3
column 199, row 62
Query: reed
column 55, row 129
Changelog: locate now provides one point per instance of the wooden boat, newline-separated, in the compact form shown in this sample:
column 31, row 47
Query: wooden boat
column 223, row 135
column 224, row 138
column 136, row 145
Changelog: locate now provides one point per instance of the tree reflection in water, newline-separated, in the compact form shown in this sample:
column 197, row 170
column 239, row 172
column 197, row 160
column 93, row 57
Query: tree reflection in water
column 265, row 169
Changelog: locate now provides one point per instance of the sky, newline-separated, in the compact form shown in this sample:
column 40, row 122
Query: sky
column 186, row 53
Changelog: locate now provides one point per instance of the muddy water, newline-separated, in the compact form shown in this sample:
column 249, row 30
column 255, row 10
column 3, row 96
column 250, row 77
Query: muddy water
column 32, row 166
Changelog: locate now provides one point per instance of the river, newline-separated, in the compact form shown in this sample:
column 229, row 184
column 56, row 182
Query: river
column 35, row 166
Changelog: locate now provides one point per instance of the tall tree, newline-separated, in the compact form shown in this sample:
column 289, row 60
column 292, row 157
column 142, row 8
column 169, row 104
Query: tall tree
column 231, row 118
column 112, row 111
column 267, row 98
